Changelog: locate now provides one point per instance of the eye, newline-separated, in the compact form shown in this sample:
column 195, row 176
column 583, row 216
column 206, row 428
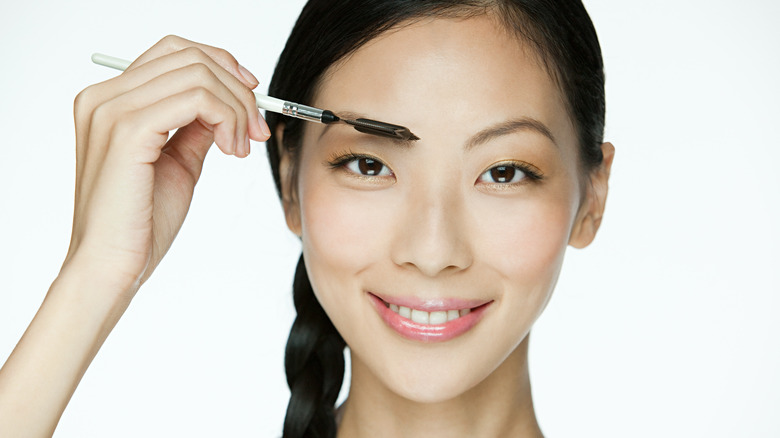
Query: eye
column 503, row 174
column 367, row 166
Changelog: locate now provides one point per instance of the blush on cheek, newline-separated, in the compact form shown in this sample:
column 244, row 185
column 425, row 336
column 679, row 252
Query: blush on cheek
column 343, row 228
column 528, row 245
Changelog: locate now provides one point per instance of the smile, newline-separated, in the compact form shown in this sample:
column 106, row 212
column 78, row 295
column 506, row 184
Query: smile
column 429, row 321
column 429, row 318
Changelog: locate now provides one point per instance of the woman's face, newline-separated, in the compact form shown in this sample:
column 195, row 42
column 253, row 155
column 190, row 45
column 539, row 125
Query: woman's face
column 466, row 228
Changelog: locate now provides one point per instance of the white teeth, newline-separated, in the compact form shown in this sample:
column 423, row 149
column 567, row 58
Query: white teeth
column 420, row 316
column 428, row 318
column 438, row 318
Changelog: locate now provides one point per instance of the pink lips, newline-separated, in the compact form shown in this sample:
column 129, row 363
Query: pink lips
column 430, row 333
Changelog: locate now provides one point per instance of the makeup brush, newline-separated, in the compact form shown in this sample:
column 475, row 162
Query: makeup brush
column 367, row 126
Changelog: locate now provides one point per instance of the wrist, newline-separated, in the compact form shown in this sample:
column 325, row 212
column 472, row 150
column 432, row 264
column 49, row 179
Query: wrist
column 90, row 283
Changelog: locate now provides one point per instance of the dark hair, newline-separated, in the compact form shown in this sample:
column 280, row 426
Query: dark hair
column 564, row 39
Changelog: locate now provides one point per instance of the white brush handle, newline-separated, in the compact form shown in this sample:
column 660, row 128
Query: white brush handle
column 265, row 102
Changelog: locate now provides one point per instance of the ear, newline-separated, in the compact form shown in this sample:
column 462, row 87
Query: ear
column 592, row 207
column 290, row 204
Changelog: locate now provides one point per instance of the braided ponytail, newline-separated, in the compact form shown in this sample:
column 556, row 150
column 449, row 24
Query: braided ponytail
column 314, row 362
column 328, row 31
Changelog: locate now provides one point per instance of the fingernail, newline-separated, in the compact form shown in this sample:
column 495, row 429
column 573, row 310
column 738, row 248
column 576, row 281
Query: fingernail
column 247, row 143
column 263, row 125
column 248, row 76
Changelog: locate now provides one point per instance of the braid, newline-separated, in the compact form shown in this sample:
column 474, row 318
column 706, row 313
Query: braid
column 314, row 362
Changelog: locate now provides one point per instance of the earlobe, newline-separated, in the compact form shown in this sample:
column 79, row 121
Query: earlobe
column 591, row 211
column 290, row 205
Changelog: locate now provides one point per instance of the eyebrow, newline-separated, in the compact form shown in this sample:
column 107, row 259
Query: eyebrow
column 509, row 127
column 481, row 137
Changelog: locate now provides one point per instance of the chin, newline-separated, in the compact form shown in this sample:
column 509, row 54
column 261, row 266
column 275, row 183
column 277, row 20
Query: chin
column 429, row 388
column 429, row 374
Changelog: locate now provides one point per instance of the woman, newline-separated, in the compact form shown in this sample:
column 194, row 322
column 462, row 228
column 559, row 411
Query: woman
column 430, row 259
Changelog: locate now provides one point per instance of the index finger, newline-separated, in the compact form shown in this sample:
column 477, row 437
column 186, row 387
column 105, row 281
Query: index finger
column 173, row 43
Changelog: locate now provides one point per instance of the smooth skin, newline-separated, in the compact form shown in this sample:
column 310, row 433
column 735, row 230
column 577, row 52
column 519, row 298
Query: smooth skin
column 428, row 220
column 431, row 228
column 134, row 186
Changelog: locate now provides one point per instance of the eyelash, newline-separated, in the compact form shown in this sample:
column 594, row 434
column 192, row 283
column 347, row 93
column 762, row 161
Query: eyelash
column 341, row 160
column 531, row 172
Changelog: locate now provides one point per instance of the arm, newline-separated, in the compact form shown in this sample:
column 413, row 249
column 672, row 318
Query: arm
column 47, row 364
column 134, row 186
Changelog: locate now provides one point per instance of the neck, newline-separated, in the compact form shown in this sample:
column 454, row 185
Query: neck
column 498, row 406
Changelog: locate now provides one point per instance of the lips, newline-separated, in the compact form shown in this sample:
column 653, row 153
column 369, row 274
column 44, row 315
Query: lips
column 429, row 320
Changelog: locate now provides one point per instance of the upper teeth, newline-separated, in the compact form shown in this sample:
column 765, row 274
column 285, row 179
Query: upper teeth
column 429, row 318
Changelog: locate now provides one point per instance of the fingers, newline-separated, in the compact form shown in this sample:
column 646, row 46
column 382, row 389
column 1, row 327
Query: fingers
column 192, row 76
column 213, row 57
column 147, row 67
column 172, row 43
column 142, row 132
column 172, row 67
column 257, row 128
column 133, row 128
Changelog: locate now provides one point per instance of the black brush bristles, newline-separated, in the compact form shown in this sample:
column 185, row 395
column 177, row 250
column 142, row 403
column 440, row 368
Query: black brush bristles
column 375, row 127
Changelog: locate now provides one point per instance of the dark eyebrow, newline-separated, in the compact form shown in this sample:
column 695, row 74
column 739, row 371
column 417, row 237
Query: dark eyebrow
column 481, row 137
column 509, row 127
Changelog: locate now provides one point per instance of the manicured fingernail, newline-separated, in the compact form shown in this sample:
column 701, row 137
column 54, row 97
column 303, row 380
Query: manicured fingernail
column 247, row 143
column 263, row 125
column 248, row 76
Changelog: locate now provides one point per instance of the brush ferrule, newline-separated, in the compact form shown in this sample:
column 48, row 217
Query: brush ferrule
column 302, row 112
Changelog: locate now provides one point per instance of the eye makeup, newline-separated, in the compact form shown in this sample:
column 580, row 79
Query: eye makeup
column 361, row 165
column 504, row 171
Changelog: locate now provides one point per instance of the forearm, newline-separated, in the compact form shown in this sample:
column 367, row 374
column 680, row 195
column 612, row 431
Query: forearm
column 39, row 378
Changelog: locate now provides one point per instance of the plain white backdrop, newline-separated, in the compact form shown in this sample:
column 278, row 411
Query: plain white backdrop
column 666, row 326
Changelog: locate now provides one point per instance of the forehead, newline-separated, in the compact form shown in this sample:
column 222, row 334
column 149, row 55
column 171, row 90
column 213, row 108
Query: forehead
column 446, row 75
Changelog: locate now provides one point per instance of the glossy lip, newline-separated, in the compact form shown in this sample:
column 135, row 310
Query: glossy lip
column 430, row 333
column 431, row 305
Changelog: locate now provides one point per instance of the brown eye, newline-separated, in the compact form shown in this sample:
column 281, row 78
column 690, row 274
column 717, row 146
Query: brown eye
column 502, row 174
column 368, row 167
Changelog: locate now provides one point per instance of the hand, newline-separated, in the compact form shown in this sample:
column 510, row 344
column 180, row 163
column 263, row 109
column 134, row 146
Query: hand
column 134, row 185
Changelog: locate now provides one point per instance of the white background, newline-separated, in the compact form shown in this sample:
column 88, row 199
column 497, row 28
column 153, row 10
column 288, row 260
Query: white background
column 666, row 326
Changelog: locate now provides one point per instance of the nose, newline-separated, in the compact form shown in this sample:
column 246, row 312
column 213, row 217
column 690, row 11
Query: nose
column 431, row 234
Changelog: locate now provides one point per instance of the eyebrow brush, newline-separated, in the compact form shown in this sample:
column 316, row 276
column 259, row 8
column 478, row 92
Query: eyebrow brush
column 304, row 112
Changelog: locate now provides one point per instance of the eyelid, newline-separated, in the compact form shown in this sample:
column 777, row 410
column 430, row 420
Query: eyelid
column 340, row 160
column 531, row 171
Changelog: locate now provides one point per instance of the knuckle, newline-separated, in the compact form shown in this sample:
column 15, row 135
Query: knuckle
column 83, row 102
column 200, row 95
column 101, row 114
column 232, row 118
column 225, row 55
column 171, row 41
column 201, row 71
column 242, row 115
column 195, row 54
column 246, row 95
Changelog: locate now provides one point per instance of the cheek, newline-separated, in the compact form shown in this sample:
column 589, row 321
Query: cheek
column 523, row 250
column 528, row 236
column 341, row 227
column 342, row 235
